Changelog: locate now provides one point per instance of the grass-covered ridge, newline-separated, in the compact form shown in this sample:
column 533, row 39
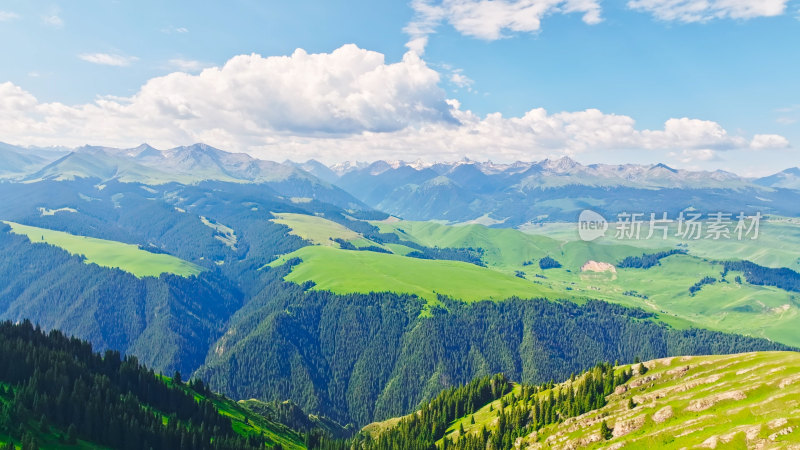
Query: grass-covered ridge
column 113, row 254
column 735, row 401
column 747, row 400
column 346, row 271
column 730, row 304
column 318, row 230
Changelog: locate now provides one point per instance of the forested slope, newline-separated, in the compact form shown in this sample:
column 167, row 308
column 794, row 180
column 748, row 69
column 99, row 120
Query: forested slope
column 365, row 357
column 59, row 393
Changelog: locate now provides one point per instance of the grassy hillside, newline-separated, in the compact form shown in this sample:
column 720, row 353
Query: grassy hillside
column 127, row 257
column 711, row 401
column 778, row 239
column 346, row 271
column 318, row 230
column 60, row 394
column 246, row 422
column 747, row 400
column 725, row 305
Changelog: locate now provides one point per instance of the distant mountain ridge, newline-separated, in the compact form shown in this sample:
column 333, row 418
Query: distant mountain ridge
column 515, row 194
column 508, row 195
column 146, row 164
column 548, row 171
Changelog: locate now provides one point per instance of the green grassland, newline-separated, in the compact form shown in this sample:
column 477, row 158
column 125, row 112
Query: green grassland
column 734, row 401
column 127, row 257
column 320, row 231
column 247, row 423
column 760, row 311
column 726, row 305
column 506, row 249
column 346, row 271
column 776, row 246
column 730, row 401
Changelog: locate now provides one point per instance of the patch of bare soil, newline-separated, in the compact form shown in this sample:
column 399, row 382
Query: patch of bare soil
column 704, row 403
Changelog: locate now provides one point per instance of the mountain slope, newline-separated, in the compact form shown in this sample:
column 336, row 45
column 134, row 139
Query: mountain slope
column 363, row 357
column 788, row 179
column 59, row 393
column 744, row 400
column 15, row 161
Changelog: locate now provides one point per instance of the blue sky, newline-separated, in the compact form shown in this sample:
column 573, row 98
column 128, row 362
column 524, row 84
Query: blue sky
column 608, row 75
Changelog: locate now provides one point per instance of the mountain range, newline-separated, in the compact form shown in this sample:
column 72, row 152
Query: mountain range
column 501, row 195
column 292, row 282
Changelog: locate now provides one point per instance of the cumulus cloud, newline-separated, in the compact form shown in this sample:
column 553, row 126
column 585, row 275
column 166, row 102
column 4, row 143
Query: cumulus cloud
column 705, row 10
column 490, row 19
column 347, row 104
column 460, row 80
column 108, row 59
column 768, row 141
column 7, row 16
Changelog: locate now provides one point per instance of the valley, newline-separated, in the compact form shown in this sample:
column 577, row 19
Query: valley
column 292, row 289
column 731, row 401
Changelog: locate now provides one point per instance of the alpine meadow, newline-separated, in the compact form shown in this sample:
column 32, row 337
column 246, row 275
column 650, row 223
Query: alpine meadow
column 419, row 225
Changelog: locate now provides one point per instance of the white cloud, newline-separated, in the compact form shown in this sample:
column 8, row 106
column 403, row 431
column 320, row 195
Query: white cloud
column 108, row 59
column 7, row 16
column 187, row 65
column 53, row 20
column 458, row 78
column 694, row 156
column 705, row 10
column 490, row 19
column 173, row 29
column 768, row 141
column 347, row 104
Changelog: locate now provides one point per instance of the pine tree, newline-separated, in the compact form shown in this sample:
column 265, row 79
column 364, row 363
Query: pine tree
column 606, row 432
column 631, row 403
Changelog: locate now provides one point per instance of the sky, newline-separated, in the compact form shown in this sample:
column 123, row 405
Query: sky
column 697, row 84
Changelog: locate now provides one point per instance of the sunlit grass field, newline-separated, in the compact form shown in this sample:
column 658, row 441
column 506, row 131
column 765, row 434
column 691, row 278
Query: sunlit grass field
column 105, row 253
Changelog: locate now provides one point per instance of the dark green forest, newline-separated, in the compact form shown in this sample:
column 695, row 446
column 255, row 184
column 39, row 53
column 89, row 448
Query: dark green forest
column 534, row 407
column 54, row 385
column 648, row 260
column 360, row 358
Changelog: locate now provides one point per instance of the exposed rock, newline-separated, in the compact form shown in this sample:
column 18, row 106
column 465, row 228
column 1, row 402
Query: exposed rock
column 644, row 380
column 661, row 393
column 595, row 266
column 711, row 442
column 707, row 402
column 782, row 432
column 621, row 389
column 627, row 426
column 789, row 380
column 663, row 414
column 750, row 433
column 591, row 439
column 680, row 371
column 777, row 423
